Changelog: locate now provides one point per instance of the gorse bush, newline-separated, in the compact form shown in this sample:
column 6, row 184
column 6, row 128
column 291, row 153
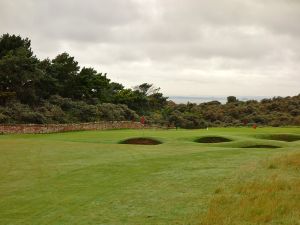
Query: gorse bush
column 273, row 112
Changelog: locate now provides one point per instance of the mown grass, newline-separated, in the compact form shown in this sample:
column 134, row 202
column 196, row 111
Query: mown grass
column 89, row 178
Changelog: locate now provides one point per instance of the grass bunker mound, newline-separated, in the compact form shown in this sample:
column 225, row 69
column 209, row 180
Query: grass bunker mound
column 212, row 139
column 141, row 141
column 261, row 146
column 283, row 137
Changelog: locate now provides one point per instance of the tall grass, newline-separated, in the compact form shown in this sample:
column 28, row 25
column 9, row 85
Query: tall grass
column 270, row 198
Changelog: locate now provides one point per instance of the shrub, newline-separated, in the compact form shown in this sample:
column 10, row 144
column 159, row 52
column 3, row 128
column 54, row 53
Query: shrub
column 113, row 112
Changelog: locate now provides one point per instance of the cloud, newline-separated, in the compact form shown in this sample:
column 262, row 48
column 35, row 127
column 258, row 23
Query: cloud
column 190, row 47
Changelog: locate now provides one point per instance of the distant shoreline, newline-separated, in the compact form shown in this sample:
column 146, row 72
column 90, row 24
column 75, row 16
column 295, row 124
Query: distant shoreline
column 202, row 99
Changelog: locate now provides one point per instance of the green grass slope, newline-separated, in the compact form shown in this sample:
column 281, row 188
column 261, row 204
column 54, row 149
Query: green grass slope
column 88, row 178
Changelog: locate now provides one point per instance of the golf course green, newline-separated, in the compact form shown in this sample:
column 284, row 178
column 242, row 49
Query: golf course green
column 92, row 177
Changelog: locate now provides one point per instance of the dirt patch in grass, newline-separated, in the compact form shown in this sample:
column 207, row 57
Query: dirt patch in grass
column 141, row 141
column 283, row 137
column 212, row 139
column 261, row 146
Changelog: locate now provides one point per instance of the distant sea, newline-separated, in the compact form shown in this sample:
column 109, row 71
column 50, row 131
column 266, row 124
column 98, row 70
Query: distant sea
column 222, row 99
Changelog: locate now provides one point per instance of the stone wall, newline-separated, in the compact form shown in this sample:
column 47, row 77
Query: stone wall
column 53, row 128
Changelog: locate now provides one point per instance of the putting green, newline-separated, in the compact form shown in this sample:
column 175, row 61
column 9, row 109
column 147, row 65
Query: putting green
column 89, row 178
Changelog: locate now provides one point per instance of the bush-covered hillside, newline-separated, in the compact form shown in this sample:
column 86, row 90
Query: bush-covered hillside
column 60, row 91
column 277, row 111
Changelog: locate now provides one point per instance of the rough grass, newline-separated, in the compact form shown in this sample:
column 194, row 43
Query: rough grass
column 141, row 141
column 212, row 139
column 270, row 198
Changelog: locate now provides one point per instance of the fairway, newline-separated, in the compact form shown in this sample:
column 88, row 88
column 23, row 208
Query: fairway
column 90, row 178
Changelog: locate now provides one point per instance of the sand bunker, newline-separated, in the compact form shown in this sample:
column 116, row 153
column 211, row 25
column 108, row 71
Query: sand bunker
column 212, row 139
column 141, row 141
column 283, row 137
column 261, row 146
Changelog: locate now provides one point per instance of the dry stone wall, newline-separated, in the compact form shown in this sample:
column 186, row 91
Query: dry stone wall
column 53, row 128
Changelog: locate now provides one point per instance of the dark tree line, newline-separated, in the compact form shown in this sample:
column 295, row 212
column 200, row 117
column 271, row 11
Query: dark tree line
column 60, row 91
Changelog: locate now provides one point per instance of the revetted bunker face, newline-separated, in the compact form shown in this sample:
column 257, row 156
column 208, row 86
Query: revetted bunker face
column 212, row 139
column 261, row 146
column 283, row 137
column 141, row 141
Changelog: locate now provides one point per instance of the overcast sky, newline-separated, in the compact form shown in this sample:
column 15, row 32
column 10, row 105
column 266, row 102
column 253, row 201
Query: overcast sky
column 186, row 47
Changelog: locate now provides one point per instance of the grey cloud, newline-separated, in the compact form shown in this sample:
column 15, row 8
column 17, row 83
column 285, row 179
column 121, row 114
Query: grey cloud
column 197, row 47
column 275, row 15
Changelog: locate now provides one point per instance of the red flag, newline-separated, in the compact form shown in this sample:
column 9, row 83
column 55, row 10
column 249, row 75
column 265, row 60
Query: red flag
column 142, row 120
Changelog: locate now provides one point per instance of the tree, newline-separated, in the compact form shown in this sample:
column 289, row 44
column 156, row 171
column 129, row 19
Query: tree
column 146, row 89
column 18, row 69
column 9, row 44
column 232, row 99
column 64, row 69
